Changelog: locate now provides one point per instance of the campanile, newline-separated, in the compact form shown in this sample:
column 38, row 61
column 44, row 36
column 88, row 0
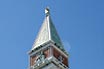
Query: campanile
column 48, row 51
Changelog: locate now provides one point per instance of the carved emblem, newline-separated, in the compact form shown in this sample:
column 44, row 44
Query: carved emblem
column 60, row 58
column 40, row 58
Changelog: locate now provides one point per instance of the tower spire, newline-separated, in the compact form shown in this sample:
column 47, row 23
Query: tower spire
column 48, row 33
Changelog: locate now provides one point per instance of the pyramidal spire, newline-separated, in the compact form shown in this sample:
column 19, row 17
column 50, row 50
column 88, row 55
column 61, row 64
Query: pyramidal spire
column 47, row 33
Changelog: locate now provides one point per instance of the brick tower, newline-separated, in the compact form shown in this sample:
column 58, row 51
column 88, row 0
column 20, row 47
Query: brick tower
column 48, row 51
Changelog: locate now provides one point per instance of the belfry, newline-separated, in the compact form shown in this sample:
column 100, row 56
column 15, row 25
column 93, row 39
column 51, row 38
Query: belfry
column 48, row 51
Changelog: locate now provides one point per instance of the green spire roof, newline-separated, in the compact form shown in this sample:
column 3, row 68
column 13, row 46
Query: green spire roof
column 47, row 33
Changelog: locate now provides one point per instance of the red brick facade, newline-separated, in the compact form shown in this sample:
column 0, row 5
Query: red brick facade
column 47, row 53
column 56, row 54
column 33, row 58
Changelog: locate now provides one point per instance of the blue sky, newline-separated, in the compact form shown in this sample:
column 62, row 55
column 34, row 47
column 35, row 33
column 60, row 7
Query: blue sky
column 80, row 24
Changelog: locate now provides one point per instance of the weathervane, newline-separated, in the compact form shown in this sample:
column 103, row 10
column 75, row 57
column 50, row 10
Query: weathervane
column 47, row 11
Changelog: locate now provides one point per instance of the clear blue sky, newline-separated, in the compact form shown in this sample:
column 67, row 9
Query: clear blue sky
column 80, row 24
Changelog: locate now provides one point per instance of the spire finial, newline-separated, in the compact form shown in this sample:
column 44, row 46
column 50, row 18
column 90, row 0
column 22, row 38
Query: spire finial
column 47, row 11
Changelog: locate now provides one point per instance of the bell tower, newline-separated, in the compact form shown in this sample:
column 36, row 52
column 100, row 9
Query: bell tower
column 48, row 51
